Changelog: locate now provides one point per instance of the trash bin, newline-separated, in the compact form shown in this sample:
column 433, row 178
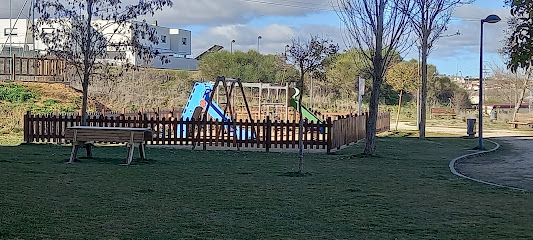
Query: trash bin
column 471, row 127
column 493, row 115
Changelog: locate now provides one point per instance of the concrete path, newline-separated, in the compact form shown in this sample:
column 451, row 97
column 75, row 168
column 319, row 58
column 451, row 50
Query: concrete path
column 512, row 166
column 462, row 131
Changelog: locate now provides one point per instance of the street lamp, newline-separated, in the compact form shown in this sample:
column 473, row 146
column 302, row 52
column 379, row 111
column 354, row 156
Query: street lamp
column 258, row 38
column 490, row 19
column 231, row 45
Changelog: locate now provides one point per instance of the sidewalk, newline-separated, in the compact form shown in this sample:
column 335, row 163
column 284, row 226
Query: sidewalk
column 462, row 131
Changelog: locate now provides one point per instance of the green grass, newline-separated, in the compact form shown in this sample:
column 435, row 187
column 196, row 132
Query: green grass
column 406, row 192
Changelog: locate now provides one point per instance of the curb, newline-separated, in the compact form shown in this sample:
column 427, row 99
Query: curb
column 477, row 154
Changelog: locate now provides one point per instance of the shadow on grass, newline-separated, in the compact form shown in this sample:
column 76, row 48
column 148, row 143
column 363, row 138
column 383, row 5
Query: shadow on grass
column 295, row 174
column 396, row 134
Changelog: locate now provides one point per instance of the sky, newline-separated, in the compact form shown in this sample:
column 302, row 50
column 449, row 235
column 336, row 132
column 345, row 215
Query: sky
column 278, row 21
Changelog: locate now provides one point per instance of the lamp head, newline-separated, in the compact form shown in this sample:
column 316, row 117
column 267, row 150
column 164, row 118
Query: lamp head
column 233, row 40
column 492, row 19
column 259, row 37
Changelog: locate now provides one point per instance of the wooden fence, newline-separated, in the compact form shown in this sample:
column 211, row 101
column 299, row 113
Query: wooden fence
column 352, row 128
column 17, row 67
column 266, row 134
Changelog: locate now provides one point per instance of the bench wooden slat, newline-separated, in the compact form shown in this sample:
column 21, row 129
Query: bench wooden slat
column 108, row 135
column 442, row 112
column 522, row 119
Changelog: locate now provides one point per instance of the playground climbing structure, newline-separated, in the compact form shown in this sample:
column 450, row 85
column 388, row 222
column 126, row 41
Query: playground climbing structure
column 201, row 105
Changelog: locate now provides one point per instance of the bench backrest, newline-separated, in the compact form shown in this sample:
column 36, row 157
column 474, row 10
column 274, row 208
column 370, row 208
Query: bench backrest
column 108, row 135
column 524, row 117
column 443, row 110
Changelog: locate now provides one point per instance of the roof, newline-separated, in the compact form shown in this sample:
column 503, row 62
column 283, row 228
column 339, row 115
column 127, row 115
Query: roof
column 214, row 48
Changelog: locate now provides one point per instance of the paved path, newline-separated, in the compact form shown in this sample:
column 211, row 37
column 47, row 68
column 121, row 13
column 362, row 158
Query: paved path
column 513, row 166
column 462, row 131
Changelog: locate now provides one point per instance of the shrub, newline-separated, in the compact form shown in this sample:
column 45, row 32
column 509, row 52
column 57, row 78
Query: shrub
column 15, row 93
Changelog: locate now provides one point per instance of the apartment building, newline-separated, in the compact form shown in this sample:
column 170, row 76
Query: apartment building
column 174, row 44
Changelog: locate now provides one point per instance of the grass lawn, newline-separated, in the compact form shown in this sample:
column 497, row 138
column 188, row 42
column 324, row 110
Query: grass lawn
column 407, row 192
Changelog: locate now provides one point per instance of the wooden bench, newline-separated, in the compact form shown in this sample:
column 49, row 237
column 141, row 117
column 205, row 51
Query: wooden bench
column 522, row 119
column 443, row 112
column 132, row 136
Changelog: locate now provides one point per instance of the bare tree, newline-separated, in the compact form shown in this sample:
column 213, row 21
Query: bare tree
column 512, row 84
column 377, row 30
column 308, row 57
column 83, row 31
column 429, row 19
column 517, row 46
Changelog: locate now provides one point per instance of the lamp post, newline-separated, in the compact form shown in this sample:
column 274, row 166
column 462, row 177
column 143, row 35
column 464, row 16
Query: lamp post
column 490, row 19
column 258, row 38
column 231, row 45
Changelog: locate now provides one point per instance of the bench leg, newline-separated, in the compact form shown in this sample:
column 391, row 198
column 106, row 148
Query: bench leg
column 89, row 149
column 131, row 147
column 142, row 151
column 74, row 153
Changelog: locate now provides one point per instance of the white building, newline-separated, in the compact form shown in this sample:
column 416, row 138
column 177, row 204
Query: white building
column 174, row 44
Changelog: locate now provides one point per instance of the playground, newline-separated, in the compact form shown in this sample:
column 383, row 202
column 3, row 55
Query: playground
column 219, row 114
column 179, row 194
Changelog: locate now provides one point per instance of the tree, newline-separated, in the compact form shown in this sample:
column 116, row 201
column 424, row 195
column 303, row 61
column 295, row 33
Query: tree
column 518, row 47
column 83, row 31
column 403, row 77
column 518, row 43
column 429, row 19
column 308, row 57
column 376, row 29
column 249, row 66
column 512, row 85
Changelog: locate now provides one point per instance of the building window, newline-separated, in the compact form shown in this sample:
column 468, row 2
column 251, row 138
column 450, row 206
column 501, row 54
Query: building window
column 8, row 31
column 163, row 38
column 184, row 41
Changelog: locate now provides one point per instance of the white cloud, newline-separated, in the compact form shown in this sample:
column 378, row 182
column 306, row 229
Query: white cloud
column 209, row 12
column 274, row 37
column 461, row 53
column 467, row 20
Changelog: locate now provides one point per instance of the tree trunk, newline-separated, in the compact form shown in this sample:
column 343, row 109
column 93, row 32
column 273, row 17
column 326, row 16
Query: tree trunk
column 301, row 124
column 399, row 108
column 519, row 101
column 85, row 88
column 377, row 62
column 86, row 62
column 424, row 95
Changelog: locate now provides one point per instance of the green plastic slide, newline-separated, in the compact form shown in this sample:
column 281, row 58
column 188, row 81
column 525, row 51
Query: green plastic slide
column 305, row 112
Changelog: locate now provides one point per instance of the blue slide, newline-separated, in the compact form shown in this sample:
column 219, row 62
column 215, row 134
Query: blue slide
column 199, row 98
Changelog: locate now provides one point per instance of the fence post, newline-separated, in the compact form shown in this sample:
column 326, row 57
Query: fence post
column 268, row 134
column 26, row 127
column 145, row 120
column 329, row 129
column 204, row 124
column 13, row 67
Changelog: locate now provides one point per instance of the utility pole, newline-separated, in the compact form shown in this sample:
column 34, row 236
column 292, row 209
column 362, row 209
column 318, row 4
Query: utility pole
column 33, row 25
column 10, row 30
